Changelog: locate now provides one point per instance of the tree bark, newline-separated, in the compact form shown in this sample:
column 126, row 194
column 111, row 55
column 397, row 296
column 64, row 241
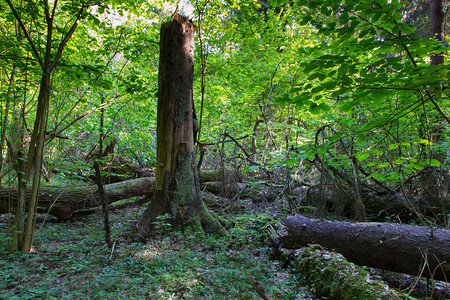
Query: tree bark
column 437, row 25
column 254, row 136
column 407, row 249
column 63, row 202
column 434, row 181
column 177, row 190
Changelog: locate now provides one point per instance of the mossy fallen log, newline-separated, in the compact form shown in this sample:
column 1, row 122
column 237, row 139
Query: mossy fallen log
column 407, row 249
column 61, row 202
column 332, row 276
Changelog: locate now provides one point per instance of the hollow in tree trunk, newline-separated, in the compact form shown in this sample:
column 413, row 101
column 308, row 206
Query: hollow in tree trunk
column 177, row 190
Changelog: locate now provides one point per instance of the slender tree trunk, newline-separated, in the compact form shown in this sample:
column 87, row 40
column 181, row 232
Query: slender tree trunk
column 37, row 159
column 23, row 234
column 437, row 26
column 5, row 118
column 434, row 178
column 177, row 190
column 254, row 137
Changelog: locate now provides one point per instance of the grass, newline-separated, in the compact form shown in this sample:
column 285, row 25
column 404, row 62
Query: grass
column 71, row 261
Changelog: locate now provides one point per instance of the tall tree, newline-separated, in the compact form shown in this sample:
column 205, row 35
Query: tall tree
column 434, row 179
column 177, row 191
column 30, row 160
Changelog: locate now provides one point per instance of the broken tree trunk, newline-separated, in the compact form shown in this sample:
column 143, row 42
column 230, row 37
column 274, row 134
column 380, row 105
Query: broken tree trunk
column 177, row 189
column 414, row 250
column 61, row 202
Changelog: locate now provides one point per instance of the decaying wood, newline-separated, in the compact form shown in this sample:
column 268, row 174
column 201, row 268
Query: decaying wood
column 61, row 202
column 407, row 249
column 335, row 278
column 258, row 288
column 416, row 287
column 177, row 188
column 79, row 214
column 376, row 203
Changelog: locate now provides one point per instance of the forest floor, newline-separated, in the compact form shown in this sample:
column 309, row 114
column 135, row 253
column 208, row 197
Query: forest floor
column 70, row 260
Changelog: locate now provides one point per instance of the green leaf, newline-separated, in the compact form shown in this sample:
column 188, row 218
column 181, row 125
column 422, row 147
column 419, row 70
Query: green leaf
column 393, row 146
column 423, row 141
column 407, row 29
column 314, row 108
column 362, row 156
column 250, row 168
column 434, row 162
column 291, row 162
column 377, row 176
column 343, row 69
column 322, row 150
column 383, row 165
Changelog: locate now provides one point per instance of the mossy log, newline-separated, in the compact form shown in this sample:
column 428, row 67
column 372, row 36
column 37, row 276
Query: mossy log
column 335, row 278
column 61, row 202
column 64, row 201
column 407, row 249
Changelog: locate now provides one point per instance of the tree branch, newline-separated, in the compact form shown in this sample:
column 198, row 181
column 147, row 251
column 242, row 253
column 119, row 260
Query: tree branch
column 66, row 38
column 25, row 32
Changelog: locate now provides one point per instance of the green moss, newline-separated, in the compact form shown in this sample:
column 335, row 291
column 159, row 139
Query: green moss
column 223, row 221
column 184, row 183
column 195, row 226
column 334, row 277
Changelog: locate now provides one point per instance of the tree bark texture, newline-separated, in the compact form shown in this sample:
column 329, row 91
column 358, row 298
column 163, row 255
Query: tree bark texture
column 401, row 248
column 62, row 202
column 437, row 25
column 177, row 190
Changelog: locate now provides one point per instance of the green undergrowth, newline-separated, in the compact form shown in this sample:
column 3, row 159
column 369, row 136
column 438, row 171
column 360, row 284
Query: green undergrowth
column 71, row 261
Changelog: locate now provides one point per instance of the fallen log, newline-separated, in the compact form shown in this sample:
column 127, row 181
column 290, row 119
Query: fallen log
column 334, row 277
column 79, row 214
column 415, row 250
column 382, row 204
column 416, row 287
column 61, row 202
